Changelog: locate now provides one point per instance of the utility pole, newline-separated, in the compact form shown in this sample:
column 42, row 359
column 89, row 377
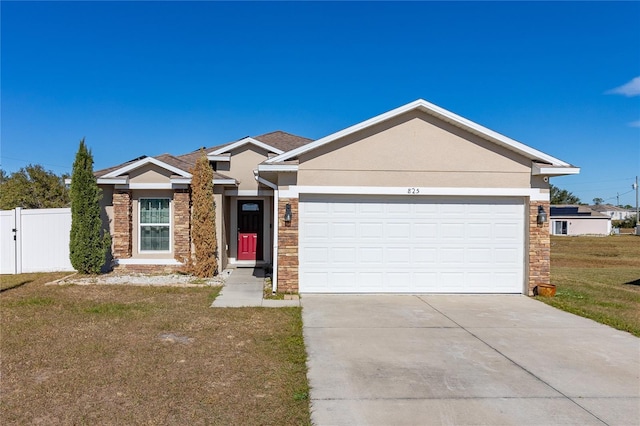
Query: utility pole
column 617, row 199
column 635, row 186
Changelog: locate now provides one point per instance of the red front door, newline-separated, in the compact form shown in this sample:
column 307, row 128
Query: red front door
column 250, row 230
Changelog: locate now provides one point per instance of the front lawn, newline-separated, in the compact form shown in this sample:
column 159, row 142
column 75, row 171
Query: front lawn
column 598, row 278
column 146, row 355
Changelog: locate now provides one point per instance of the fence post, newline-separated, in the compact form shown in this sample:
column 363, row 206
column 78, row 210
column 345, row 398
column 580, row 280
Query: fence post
column 17, row 223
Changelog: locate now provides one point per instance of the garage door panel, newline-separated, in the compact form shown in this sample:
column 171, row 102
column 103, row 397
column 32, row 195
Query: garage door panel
column 317, row 280
column 371, row 255
column 395, row 230
column 507, row 231
column 506, row 256
column 479, row 256
column 425, row 231
column 371, row 230
column 423, row 257
column 398, row 256
column 316, row 255
column 343, row 280
column 398, row 280
column 478, row 231
column 411, row 244
column 343, row 230
column 316, row 230
column 343, row 255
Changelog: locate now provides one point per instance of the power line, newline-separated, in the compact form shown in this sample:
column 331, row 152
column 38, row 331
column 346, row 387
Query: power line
column 31, row 162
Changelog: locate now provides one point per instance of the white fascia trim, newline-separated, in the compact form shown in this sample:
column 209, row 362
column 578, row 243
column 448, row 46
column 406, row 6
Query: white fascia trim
column 143, row 162
column 436, row 111
column 241, row 142
column 579, row 217
column 147, row 262
column 165, row 185
column 111, row 181
column 539, row 169
column 534, row 194
column 224, row 182
column 180, row 180
column 277, row 167
column 223, row 157
column 106, row 181
column 248, row 192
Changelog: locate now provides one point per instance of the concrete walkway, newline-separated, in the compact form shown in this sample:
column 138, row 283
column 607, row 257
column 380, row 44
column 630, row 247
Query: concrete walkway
column 243, row 287
column 465, row 360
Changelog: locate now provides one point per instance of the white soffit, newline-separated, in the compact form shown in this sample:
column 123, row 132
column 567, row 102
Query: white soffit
column 277, row 167
column 224, row 182
column 143, row 162
column 435, row 111
column 550, row 170
column 227, row 148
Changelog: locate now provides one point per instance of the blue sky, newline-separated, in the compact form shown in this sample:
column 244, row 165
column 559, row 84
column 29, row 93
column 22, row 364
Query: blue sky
column 140, row 78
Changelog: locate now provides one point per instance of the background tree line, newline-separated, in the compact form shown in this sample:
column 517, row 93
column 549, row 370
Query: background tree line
column 33, row 187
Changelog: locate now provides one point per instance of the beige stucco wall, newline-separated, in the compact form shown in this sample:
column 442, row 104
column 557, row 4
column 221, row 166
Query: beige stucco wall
column 135, row 196
column 150, row 173
column 106, row 207
column 218, row 199
column 414, row 149
column 243, row 162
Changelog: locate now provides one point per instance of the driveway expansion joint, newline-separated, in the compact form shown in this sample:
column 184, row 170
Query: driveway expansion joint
column 523, row 368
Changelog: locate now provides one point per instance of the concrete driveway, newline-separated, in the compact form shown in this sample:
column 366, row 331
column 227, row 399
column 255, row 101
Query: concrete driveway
column 465, row 360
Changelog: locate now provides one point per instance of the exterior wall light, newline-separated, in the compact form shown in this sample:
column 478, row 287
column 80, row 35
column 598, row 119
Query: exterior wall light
column 287, row 213
column 542, row 215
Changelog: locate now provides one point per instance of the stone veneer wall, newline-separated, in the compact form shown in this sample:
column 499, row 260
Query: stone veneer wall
column 122, row 224
column 288, row 247
column 182, row 225
column 539, row 247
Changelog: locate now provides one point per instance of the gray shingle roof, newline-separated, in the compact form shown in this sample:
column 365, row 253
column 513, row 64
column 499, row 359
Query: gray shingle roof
column 281, row 140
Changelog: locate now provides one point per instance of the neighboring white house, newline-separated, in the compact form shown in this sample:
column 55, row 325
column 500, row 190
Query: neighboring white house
column 578, row 220
column 615, row 213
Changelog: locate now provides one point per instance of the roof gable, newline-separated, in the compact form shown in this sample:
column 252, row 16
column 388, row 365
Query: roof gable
column 145, row 161
column 242, row 142
column 559, row 166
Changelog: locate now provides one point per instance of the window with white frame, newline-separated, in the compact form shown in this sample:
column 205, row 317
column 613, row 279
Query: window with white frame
column 155, row 224
column 560, row 227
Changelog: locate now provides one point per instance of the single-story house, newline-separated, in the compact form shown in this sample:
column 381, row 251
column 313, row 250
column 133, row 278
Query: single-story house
column 578, row 220
column 415, row 200
column 614, row 212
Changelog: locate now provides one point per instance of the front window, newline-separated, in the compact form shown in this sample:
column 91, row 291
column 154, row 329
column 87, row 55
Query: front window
column 155, row 224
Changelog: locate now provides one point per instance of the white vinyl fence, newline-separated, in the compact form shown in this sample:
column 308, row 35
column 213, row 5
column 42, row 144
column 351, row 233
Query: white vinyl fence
column 34, row 240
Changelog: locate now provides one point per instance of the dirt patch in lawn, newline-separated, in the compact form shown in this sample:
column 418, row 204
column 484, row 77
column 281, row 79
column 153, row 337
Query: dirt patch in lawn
column 147, row 355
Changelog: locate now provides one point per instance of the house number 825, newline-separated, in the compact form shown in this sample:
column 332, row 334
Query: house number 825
column 413, row 191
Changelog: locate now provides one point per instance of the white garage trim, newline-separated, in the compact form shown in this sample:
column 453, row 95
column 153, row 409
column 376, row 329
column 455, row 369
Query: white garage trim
column 405, row 244
column 534, row 194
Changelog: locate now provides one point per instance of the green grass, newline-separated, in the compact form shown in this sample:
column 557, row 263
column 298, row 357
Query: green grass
column 117, row 354
column 598, row 278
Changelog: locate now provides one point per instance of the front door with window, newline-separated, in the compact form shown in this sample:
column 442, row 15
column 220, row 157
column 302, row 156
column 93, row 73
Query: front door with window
column 250, row 230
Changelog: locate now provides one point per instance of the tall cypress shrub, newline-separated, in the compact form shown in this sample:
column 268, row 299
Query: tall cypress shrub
column 203, row 216
column 89, row 242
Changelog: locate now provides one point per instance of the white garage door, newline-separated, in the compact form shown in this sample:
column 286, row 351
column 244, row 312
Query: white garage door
column 398, row 244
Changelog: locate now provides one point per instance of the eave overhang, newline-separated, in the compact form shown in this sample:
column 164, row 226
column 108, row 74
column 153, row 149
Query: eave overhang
column 538, row 169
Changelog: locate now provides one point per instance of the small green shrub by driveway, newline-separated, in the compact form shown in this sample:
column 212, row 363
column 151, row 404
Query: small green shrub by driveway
column 598, row 278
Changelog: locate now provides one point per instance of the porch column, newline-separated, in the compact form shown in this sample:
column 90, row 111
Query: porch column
column 539, row 247
column 287, row 247
column 182, row 225
column 122, row 224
